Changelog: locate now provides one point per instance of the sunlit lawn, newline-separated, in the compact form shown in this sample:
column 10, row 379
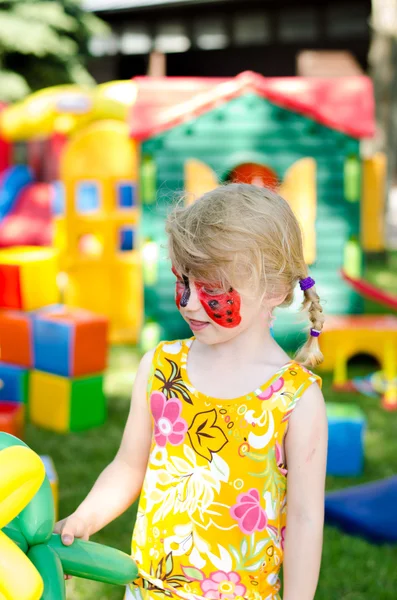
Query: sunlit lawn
column 352, row 569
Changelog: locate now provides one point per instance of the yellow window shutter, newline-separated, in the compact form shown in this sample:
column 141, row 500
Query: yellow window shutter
column 373, row 203
column 299, row 189
column 199, row 179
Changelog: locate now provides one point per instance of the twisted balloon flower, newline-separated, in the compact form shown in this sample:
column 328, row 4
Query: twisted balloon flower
column 33, row 560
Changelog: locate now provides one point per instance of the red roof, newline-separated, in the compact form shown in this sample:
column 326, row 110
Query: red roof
column 344, row 103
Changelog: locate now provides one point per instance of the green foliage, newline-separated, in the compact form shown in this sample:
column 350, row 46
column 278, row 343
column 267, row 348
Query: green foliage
column 43, row 43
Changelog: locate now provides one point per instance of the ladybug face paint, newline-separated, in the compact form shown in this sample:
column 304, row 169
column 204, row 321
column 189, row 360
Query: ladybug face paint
column 223, row 308
column 182, row 290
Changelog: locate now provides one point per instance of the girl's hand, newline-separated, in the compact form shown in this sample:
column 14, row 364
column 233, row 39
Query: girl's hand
column 70, row 528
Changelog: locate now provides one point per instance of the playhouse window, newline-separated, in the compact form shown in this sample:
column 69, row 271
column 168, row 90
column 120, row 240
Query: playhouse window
column 87, row 197
column 90, row 245
column 135, row 40
column 126, row 238
column 251, row 29
column 171, row 37
column 126, row 195
column 347, row 20
column 296, row 25
column 210, row 33
column 58, row 198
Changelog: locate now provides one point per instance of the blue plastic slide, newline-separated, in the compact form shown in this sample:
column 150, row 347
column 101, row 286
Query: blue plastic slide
column 12, row 182
column 367, row 510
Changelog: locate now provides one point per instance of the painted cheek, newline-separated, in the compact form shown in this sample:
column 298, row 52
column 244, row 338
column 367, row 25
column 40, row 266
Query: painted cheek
column 223, row 309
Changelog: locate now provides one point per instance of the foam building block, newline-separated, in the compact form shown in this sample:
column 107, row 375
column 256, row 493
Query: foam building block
column 69, row 341
column 16, row 338
column 28, row 277
column 53, row 479
column 367, row 510
column 64, row 404
column 14, row 383
column 346, row 430
column 12, row 418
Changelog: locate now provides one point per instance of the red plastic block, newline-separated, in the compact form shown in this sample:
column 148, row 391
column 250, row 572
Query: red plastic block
column 10, row 287
column 12, row 418
column 15, row 338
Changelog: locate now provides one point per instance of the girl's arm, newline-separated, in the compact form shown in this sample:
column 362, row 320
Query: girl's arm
column 306, row 453
column 120, row 483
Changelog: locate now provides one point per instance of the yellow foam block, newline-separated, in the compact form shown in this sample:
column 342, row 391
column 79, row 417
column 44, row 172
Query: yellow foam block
column 49, row 401
column 38, row 269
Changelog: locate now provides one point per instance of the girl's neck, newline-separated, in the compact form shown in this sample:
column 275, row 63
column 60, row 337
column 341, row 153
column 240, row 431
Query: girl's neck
column 256, row 341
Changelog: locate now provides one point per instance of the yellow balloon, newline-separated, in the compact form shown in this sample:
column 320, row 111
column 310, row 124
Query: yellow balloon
column 19, row 579
column 21, row 475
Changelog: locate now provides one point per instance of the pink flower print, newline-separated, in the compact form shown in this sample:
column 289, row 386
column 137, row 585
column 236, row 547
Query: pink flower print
column 168, row 424
column 282, row 538
column 249, row 513
column 280, row 459
column 272, row 389
column 223, row 586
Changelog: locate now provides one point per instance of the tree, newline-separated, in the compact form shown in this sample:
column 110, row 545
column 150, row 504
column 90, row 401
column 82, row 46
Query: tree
column 383, row 69
column 43, row 43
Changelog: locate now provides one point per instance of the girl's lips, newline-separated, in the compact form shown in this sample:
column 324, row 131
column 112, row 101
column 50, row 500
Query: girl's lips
column 197, row 325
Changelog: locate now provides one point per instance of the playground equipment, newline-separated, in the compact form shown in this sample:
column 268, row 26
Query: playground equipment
column 98, row 233
column 53, row 357
column 28, row 277
column 33, row 560
column 345, row 337
column 301, row 133
column 366, row 510
column 346, row 431
column 82, row 196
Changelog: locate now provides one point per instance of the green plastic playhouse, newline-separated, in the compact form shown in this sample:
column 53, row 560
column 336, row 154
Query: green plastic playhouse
column 304, row 133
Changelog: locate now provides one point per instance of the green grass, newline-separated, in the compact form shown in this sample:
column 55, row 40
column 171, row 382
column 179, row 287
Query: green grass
column 351, row 569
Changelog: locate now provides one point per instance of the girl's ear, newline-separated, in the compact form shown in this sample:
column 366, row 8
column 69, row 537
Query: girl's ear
column 274, row 300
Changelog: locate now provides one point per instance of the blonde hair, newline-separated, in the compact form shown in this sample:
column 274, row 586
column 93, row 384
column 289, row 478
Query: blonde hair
column 242, row 232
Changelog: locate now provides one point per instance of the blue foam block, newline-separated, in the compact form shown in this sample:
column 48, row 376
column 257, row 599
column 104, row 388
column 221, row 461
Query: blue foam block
column 52, row 345
column 13, row 383
column 346, row 430
column 368, row 510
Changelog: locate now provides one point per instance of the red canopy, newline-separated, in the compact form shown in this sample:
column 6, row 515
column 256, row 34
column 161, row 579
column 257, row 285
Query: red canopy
column 344, row 103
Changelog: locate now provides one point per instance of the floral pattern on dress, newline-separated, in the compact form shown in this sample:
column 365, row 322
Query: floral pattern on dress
column 212, row 513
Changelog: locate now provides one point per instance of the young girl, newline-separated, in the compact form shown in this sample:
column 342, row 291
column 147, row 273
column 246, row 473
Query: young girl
column 226, row 437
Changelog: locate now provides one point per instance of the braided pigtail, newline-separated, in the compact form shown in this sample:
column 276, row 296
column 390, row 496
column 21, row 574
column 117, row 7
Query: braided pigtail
column 310, row 353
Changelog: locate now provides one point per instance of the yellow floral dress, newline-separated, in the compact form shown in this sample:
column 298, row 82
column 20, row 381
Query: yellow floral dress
column 212, row 513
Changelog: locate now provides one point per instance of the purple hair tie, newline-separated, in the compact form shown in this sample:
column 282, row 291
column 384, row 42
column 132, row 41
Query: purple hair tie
column 307, row 283
column 315, row 332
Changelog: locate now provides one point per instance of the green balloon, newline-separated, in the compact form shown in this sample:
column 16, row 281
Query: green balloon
column 48, row 564
column 7, row 440
column 37, row 520
column 94, row 561
column 13, row 531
